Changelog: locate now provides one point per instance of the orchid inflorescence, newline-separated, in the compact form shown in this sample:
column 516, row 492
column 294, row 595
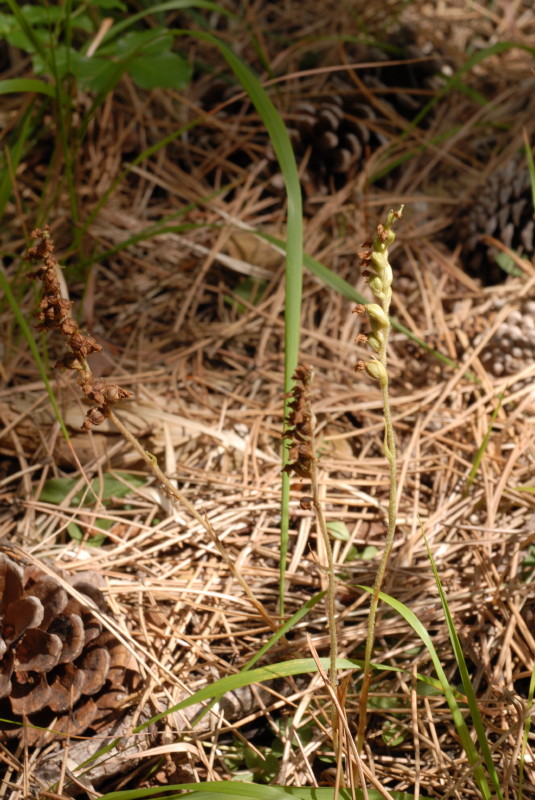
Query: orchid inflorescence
column 54, row 314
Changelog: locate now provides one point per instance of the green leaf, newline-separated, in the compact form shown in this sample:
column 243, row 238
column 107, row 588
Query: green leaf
column 42, row 15
column 8, row 23
column 367, row 553
column 18, row 38
column 63, row 58
column 264, row 765
column 153, row 41
column 76, row 533
column 15, row 85
column 393, row 734
column 56, row 489
column 213, row 790
column 92, row 73
column 163, row 70
column 506, row 263
column 339, row 530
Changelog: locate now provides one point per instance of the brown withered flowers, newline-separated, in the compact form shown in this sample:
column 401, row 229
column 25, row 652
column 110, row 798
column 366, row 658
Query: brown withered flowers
column 54, row 314
column 301, row 422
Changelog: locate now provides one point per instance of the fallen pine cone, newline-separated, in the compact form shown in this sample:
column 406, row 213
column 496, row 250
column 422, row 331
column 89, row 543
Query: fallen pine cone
column 58, row 667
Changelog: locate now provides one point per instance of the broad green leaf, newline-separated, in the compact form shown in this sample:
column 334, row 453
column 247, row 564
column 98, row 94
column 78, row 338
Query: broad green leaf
column 18, row 38
column 76, row 533
column 42, row 15
column 93, row 73
column 163, row 70
column 506, row 263
column 7, row 23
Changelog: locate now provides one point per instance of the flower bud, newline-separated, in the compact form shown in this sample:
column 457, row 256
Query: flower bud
column 375, row 342
column 376, row 370
column 376, row 285
column 377, row 317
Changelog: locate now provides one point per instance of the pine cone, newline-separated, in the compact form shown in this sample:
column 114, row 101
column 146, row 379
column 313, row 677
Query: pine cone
column 512, row 348
column 334, row 136
column 335, row 130
column 503, row 209
column 58, row 666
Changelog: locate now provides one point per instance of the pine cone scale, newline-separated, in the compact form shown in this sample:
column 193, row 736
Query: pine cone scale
column 30, row 695
column 54, row 653
column 27, row 612
column 37, row 651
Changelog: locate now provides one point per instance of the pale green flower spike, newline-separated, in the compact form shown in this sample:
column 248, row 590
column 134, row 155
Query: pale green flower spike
column 379, row 274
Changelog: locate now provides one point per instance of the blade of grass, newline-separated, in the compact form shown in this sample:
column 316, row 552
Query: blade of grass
column 282, row 146
column 482, row 448
column 527, row 728
column 250, row 791
column 531, row 165
column 465, row 678
column 462, row 730
column 282, row 631
column 30, row 85
column 19, row 316
column 14, row 155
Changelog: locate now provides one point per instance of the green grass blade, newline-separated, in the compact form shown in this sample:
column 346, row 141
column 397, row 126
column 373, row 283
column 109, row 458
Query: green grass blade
column 449, row 693
column 26, row 85
column 171, row 5
column 527, row 728
column 482, row 448
column 531, row 167
column 19, row 316
column 467, row 683
column 215, row 790
column 282, row 631
column 23, row 133
column 282, row 146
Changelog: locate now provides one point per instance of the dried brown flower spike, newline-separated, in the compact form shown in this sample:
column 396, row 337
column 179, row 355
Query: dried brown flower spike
column 54, row 314
column 301, row 423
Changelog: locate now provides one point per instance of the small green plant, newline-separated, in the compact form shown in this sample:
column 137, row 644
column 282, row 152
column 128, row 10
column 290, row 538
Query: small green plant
column 83, row 43
column 378, row 273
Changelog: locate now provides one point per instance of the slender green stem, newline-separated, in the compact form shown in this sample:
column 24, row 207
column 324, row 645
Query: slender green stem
column 390, row 451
